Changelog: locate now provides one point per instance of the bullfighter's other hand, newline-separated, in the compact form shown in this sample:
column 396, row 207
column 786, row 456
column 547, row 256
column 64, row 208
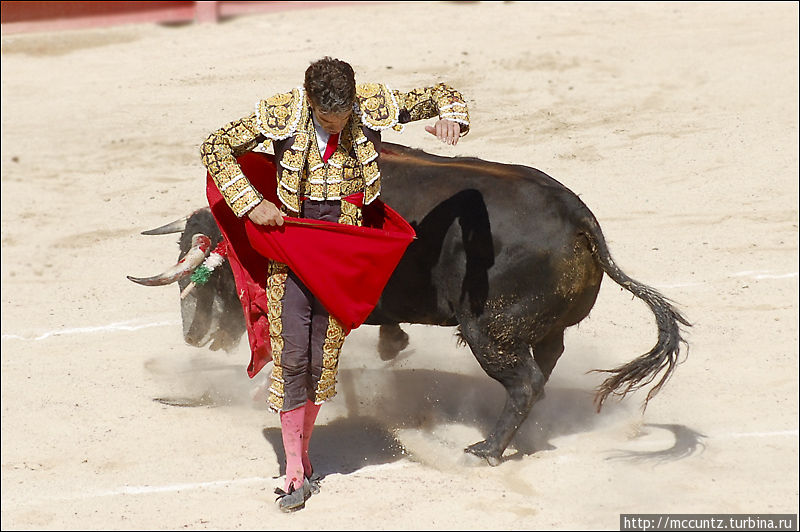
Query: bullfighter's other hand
column 266, row 213
column 445, row 130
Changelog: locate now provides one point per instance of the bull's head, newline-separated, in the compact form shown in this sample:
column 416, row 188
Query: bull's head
column 210, row 312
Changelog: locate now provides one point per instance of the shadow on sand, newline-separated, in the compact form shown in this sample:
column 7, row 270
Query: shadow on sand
column 686, row 443
column 344, row 445
column 379, row 404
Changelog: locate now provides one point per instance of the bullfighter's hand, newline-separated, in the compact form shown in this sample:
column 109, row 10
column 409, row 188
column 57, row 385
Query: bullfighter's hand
column 445, row 130
column 266, row 213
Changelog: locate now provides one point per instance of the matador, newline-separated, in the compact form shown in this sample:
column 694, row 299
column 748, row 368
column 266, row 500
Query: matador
column 326, row 137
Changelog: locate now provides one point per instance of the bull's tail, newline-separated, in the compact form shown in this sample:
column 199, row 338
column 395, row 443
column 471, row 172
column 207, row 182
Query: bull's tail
column 663, row 358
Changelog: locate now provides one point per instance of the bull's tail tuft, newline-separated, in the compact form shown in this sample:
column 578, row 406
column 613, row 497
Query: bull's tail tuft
column 664, row 357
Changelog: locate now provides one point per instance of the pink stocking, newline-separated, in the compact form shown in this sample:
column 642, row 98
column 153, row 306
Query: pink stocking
column 292, row 433
column 308, row 427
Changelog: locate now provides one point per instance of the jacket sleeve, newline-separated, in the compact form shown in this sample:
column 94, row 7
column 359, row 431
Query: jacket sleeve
column 440, row 100
column 219, row 153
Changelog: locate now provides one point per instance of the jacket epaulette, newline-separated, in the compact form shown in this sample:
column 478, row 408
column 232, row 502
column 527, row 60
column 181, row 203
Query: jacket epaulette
column 278, row 116
column 377, row 105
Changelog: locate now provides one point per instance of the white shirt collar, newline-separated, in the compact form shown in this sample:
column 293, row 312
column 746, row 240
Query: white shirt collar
column 322, row 135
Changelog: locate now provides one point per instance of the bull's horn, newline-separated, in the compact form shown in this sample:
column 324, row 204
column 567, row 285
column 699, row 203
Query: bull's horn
column 201, row 245
column 173, row 227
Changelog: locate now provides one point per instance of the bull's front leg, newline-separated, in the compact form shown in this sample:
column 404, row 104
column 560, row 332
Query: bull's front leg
column 391, row 340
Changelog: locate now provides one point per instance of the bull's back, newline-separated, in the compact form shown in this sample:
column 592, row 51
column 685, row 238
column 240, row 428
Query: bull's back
column 528, row 212
column 508, row 227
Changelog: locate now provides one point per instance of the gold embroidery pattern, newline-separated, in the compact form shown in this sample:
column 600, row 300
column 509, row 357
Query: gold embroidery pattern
column 379, row 108
column 335, row 175
column 290, row 180
column 243, row 205
column 279, row 115
column 315, row 165
column 371, row 192
column 366, row 152
column 332, row 172
column 440, row 100
column 219, row 152
column 338, row 178
column 300, row 141
column 276, row 286
column 290, row 200
column 351, row 214
column 293, row 161
column 419, row 103
column 368, row 159
column 236, row 187
column 331, row 348
column 304, row 174
column 333, row 191
column 371, row 172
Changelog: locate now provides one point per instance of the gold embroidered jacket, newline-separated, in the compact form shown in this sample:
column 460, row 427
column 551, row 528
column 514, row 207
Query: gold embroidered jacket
column 285, row 120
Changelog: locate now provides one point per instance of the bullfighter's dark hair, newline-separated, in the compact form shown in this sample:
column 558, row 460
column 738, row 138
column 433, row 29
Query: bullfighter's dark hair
column 331, row 85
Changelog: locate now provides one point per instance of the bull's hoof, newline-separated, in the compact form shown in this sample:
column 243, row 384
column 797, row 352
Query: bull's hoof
column 391, row 343
column 485, row 450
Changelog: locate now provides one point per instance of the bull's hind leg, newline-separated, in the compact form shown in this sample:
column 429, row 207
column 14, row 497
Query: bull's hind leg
column 548, row 350
column 511, row 364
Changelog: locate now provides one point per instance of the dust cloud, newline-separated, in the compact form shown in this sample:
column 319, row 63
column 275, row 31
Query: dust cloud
column 427, row 404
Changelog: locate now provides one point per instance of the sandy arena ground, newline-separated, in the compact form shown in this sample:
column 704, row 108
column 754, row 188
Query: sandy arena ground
column 677, row 123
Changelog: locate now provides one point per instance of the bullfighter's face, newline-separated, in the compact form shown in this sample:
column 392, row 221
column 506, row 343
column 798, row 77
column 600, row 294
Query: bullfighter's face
column 332, row 123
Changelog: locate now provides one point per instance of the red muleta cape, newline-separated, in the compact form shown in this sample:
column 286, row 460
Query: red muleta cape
column 345, row 267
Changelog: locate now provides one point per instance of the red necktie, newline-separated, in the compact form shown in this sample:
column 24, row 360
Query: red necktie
column 333, row 142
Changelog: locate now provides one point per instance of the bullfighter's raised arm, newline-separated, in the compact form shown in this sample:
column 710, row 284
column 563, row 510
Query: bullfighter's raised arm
column 439, row 100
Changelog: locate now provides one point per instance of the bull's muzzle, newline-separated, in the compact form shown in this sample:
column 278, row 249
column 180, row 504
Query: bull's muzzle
column 201, row 245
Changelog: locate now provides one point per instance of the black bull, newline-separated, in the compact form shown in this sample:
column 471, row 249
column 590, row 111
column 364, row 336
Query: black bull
column 504, row 252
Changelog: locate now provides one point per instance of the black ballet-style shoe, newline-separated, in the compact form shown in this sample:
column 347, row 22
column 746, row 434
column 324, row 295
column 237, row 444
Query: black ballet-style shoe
column 295, row 499
column 314, row 481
